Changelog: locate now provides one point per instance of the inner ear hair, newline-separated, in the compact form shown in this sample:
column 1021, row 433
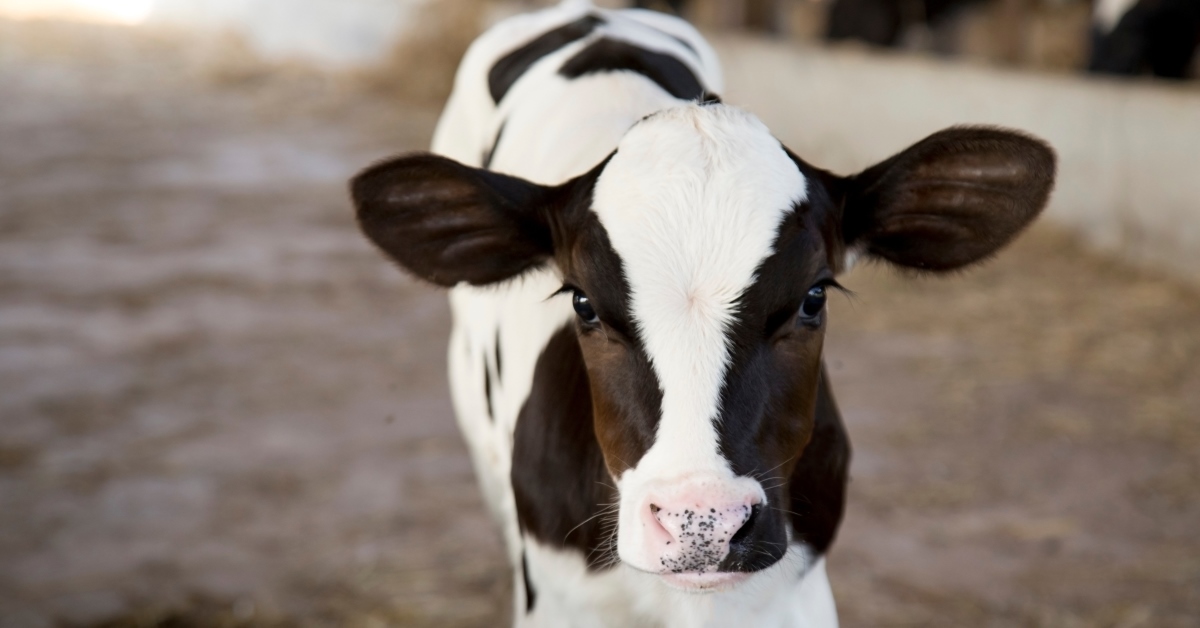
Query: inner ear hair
column 952, row 199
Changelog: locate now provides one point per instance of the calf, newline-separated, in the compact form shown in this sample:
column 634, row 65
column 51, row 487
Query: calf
column 639, row 279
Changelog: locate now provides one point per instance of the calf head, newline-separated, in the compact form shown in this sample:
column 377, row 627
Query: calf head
column 698, row 258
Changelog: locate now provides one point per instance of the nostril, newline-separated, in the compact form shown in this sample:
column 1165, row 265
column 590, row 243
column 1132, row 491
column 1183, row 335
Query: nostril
column 748, row 526
column 657, row 528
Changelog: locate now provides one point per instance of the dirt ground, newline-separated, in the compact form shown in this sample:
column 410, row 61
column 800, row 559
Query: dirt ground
column 220, row 407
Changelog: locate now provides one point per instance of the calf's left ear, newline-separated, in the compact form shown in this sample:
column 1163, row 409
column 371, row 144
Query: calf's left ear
column 951, row 199
column 447, row 222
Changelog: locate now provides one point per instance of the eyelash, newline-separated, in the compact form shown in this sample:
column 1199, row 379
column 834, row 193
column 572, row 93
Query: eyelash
column 779, row 318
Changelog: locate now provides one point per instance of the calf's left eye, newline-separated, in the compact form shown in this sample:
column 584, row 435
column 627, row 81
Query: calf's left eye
column 814, row 303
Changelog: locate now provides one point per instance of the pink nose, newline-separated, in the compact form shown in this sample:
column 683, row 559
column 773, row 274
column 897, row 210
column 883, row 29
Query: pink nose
column 691, row 532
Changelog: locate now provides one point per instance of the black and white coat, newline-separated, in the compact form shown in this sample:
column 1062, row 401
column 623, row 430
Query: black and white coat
column 516, row 111
column 638, row 276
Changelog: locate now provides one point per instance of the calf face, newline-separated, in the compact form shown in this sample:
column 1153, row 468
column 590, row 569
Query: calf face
column 698, row 258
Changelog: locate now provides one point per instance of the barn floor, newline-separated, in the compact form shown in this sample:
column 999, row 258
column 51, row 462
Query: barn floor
column 220, row 407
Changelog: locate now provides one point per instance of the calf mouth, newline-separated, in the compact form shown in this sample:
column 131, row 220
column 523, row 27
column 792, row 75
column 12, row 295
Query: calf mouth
column 705, row 582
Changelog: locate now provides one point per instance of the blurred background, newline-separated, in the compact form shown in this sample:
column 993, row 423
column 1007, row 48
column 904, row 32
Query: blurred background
column 220, row 407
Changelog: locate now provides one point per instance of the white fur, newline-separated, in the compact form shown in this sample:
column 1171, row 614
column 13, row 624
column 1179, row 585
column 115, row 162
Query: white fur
column 853, row 255
column 692, row 217
column 555, row 129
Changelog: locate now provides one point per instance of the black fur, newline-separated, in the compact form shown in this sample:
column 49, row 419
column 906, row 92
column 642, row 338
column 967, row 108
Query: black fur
column 530, row 593
column 558, row 474
column 499, row 363
column 487, row 391
column 488, row 154
column 512, row 66
column 610, row 55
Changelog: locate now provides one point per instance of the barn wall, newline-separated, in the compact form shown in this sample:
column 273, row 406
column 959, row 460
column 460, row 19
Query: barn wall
column 338, row 33
column 1129, row 153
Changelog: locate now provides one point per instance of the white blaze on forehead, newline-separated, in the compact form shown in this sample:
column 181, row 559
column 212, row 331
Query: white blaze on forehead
column 692, row 202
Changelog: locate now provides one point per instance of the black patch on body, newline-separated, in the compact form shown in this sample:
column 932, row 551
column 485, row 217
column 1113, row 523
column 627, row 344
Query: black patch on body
column 487, row 390
column 530, row 594
column 486, row 162
column 818, row 483
column 499, row 371
column 558, row 475
column 512, row 66
column 611, row 55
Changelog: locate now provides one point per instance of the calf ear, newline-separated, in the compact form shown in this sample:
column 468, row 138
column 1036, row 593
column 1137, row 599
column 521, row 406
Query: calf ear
column 951, row 199
column 447, row 222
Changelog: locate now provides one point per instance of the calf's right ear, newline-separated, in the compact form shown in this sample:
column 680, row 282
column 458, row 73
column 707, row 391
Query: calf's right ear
column 448, row 223
column 950, row 200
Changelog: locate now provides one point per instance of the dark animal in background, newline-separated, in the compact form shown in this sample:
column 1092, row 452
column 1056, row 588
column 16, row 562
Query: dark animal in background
column 675, row 5
column 882, row 22
column 756, row 15
column 1139, row 36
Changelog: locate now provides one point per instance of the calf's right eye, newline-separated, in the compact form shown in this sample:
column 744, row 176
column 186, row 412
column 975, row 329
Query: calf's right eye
column 583, row 307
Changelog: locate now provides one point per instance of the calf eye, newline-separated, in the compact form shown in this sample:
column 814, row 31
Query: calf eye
column 583, row 307
column 814, row 304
